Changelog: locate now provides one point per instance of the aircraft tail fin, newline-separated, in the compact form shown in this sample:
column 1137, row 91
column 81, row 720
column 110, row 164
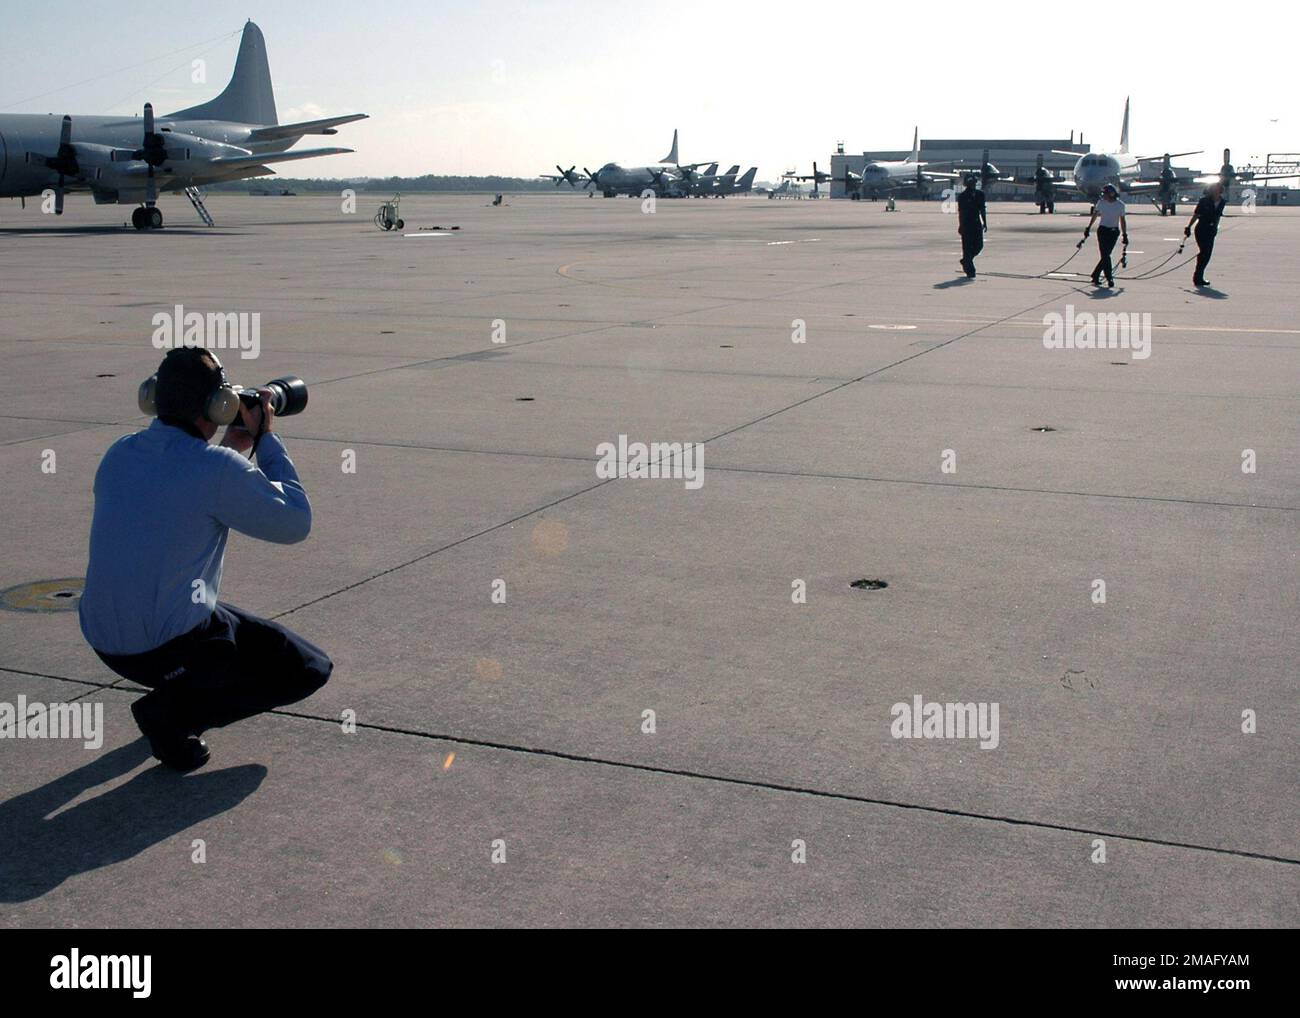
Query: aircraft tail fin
column 249, row 98
column 915, row 157
column 1123, row 131
column 671, row 157
column 747, row 181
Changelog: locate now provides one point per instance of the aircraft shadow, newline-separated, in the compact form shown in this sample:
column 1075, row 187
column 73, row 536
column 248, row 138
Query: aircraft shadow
column 90, row 231
column 39, row 852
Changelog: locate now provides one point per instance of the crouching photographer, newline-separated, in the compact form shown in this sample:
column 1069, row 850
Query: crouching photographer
column 165, row 502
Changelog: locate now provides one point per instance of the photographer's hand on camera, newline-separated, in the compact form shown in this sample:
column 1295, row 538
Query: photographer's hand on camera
column 253, row 423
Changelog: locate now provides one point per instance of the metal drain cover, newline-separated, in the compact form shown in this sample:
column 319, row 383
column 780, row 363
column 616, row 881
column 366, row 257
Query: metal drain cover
column 43, row 595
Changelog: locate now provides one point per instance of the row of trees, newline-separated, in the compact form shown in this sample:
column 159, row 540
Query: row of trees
column 429, row 182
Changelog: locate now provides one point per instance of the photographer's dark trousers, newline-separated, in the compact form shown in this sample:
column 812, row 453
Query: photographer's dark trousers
column 1205, row 248
column 230, row 667
column 1107, row 236
column 972, row 243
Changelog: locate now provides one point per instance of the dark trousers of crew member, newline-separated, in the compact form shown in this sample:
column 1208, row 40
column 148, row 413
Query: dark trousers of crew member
column 1107, row 236
column 972, row 243
column 228, row 668
column 1205, row 245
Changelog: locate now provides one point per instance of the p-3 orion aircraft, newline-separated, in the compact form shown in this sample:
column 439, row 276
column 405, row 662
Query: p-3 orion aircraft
column 129, row 160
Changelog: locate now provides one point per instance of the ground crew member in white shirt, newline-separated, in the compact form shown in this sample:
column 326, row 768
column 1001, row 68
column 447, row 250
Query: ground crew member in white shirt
column 1110, row 210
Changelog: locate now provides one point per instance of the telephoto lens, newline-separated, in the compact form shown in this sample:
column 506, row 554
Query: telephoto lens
column 288, row 395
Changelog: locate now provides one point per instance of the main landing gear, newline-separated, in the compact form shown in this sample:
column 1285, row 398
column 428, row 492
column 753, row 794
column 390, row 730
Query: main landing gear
column 147, row 218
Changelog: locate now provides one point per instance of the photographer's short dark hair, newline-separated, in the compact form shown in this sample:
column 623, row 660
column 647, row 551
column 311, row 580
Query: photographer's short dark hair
column 186, row 377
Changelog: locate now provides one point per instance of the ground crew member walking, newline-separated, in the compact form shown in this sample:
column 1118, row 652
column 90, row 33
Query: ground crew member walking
column 972, row 221
column 1110, row 210
column 1209, row 210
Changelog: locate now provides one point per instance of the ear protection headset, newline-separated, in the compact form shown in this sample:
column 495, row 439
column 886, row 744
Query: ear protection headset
column 220, row 404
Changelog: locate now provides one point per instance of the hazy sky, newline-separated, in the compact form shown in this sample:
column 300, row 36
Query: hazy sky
column 515, row 88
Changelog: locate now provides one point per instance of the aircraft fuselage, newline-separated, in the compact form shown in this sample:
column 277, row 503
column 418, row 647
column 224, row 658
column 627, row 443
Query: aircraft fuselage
column 103, row 145
column 1095, row 170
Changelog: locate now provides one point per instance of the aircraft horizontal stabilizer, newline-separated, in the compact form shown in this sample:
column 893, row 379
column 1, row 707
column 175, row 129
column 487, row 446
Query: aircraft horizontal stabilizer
column 297, row 130
column 256, row 159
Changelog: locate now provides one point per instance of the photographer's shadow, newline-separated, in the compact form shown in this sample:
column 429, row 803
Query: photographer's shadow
column 38, row 852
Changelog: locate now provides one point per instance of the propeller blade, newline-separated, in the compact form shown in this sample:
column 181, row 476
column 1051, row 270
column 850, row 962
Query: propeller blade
column 65, row 131
column 58, row 197
column 148, row 118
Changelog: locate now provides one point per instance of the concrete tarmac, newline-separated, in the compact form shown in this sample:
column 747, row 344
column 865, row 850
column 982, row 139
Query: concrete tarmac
column 865, row 413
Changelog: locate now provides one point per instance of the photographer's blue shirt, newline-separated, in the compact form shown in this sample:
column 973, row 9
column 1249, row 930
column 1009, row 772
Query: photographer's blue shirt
column 165, row 500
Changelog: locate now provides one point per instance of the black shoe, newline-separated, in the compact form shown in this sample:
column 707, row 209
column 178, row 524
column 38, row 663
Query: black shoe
column 1202, row 282
column 1110, row 283
column 176, row 749
column 1096, row 281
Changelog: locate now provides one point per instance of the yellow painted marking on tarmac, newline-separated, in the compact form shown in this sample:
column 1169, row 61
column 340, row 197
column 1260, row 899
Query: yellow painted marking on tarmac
column 563, row 270
column 43, row 595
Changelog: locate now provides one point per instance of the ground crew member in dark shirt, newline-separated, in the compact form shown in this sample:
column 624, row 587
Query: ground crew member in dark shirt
column 972, row 221
column 1209, row 210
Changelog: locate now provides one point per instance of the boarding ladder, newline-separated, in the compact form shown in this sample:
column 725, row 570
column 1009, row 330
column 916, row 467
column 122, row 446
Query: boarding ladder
column 196, row 199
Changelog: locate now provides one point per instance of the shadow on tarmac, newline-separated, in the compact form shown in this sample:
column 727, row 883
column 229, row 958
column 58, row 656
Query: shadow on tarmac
column 90, row 231
column 39, row 852
column 959, row 281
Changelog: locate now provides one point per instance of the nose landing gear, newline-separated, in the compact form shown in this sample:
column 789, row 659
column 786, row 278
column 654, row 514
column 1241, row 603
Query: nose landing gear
column 147, row 218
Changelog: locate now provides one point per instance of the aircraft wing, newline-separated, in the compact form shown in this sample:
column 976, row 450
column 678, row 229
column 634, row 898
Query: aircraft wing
column 326, row 126
column 1172, row 155
column 1067, row 184
column 1139, row 186
column 1029, row 184
column 258, row 158
column 1244, row 179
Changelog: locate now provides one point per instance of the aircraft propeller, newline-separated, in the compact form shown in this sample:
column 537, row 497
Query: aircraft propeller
column 64, row 162
column 1042, row 179
column 154, row 151
column 1227, row 174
